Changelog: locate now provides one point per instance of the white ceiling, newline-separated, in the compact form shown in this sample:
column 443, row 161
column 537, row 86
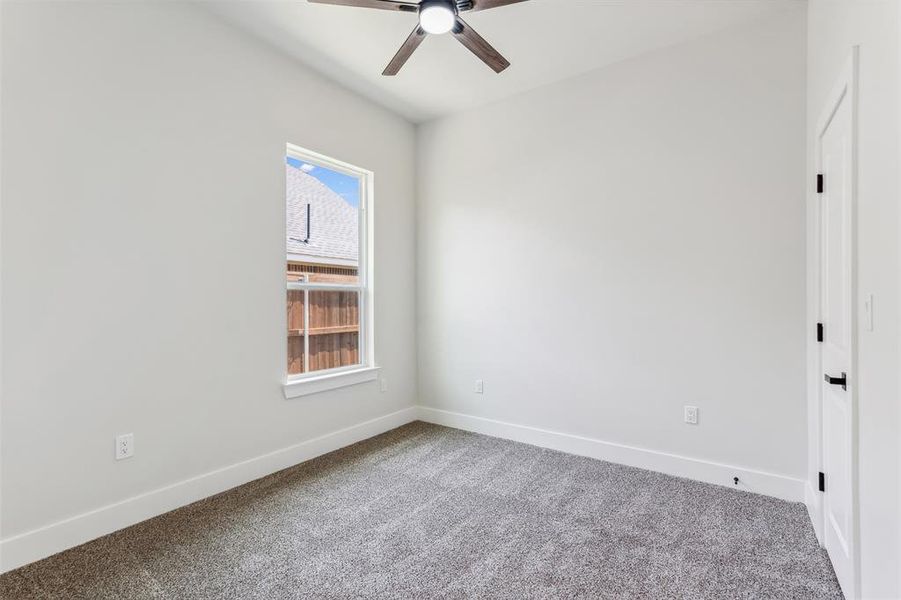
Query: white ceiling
column 545, row 40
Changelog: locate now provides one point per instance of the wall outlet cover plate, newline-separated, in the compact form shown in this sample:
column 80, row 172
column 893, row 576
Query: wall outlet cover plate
column 125, row 446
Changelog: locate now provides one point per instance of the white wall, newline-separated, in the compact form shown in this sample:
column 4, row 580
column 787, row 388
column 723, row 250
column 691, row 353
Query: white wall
column 834, row 27
column 143, row 250
column 606, row 250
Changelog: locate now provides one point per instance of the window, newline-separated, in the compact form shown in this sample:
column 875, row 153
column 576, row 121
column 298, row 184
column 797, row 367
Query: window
column 327, row 270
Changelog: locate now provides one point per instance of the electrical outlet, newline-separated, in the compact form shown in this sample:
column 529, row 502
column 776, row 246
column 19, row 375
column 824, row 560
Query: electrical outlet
column 480, row 386
column 125, row 446
column 868, row 312
column 383, row 384
column 691, row 415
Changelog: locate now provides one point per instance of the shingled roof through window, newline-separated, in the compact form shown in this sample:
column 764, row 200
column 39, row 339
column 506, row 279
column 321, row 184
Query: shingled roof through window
column 334, row 223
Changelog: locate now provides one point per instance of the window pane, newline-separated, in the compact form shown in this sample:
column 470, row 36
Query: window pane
column 323, row 220
column 334, row 329
column 296, row 332
column 323, row 247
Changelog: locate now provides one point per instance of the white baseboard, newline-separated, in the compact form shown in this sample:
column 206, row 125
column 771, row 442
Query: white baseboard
column 40, row 543
column 770, row 484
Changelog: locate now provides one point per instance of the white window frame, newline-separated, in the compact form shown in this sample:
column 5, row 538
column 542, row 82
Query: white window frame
column 366, row 370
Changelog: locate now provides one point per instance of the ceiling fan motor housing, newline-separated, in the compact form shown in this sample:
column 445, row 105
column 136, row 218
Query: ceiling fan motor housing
column 448, row 4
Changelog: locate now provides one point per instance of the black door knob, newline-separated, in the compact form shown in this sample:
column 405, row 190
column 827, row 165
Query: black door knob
column 842, row 381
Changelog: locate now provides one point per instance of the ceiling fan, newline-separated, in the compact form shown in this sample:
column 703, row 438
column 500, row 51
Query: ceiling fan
column 437, row 16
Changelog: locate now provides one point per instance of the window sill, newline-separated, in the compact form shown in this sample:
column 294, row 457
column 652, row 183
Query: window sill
column 295, row 388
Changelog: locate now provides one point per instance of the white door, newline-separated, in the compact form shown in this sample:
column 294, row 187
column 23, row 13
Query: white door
column 836, row 158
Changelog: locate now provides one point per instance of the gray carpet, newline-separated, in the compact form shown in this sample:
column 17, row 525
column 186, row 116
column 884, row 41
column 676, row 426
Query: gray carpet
column 430, row 512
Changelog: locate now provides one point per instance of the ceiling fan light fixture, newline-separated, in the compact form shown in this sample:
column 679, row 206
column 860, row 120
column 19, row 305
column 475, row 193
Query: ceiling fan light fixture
column 436, row 17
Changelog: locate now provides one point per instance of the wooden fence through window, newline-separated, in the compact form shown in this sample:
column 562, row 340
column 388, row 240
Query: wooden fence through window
column 334, row 328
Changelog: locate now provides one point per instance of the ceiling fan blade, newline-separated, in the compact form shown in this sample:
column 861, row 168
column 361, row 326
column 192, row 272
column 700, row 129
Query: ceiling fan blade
column 406, row 50
column 380, row 4
column 486, row 4
column 478, row 46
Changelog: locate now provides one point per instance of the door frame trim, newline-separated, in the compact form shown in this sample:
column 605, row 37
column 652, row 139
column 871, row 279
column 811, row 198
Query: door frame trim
column 846, row 87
